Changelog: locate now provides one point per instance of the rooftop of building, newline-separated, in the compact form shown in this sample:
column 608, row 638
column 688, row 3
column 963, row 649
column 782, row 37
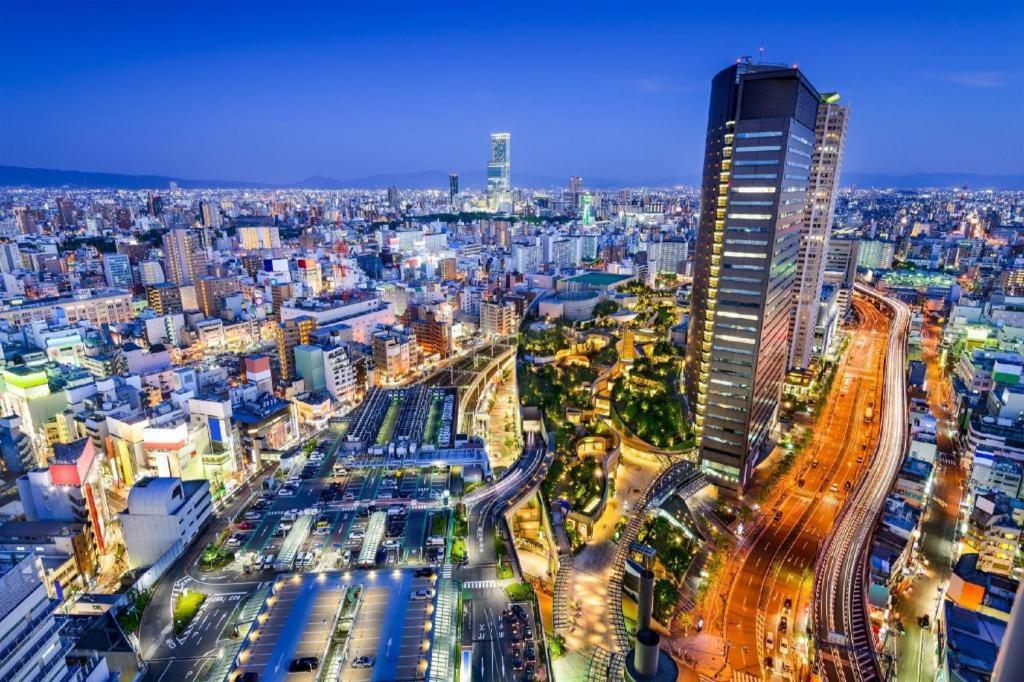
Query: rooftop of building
column 81, row 295
column 314, row 397
column 99, row 633
column 254, row 412
column 347, row 297
column 973, row 638
column 152, row 494
column 999, row 589
column 39, row 529
column 17, row 582
column 917, row 468
column 598, row 279
column 70, row 453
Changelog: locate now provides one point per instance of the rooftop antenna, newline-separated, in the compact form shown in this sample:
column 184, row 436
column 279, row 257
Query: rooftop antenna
column 761, row 52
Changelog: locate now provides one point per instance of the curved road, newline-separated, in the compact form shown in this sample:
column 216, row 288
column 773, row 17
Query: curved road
column 846, row 647
column 774, row 561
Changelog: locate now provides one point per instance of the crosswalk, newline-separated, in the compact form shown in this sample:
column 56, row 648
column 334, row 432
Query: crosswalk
column 480, row 584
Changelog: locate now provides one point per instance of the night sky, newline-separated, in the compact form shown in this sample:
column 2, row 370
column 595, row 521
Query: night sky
column 612, row 90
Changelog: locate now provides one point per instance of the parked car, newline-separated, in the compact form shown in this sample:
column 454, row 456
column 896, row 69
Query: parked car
column 304, row 664
column 362, row 662
column 422, row 595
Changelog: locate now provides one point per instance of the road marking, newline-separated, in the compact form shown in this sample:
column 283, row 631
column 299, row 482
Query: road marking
column 480, row 584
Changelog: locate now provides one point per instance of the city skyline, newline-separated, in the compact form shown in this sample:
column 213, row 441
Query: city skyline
column 291, row 105
column 714, row 382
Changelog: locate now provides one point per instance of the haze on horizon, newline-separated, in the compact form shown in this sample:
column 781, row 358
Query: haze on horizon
column 277, row 94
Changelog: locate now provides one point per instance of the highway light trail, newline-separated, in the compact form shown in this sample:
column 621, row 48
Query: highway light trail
column 846, row 649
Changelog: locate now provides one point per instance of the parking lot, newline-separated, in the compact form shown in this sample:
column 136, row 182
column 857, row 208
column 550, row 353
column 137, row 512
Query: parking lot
column 366, row 484
column 392, row 628
column 332, row 490
column 277, row 642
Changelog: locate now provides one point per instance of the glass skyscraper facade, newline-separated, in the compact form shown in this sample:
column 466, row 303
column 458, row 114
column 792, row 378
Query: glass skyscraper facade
column 499, row 183
column 760, row 142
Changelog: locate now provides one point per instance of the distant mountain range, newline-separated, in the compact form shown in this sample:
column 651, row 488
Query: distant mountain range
column 19, row 176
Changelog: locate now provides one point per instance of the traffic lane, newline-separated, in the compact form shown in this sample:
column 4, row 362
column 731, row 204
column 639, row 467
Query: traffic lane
column 198, row 641
column 479, row 541
column 177, row 670
column 854, row 532
column 492, row 655
column 835, row 432
column 156, row 625
column 745, row 602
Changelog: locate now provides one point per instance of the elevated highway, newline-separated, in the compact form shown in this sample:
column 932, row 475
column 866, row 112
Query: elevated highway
column 846, row 649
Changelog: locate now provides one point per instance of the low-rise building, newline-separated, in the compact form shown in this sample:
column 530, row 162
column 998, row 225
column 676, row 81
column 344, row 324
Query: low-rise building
column 161, row 512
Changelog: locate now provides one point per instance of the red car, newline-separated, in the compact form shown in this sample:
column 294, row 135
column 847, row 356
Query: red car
column 245, row 525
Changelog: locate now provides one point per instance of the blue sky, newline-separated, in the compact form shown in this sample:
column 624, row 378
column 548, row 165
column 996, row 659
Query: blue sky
column 281, row 91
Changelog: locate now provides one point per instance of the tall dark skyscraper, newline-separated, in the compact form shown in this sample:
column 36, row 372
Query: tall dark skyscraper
column 453, row 187
column 760, row 140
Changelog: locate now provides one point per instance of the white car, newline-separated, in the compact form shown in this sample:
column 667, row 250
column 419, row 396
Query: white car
column 356, row 535
column 422, row 595
column 391, row 544
column 385, row 496
column 286, row 492
column 362, row 662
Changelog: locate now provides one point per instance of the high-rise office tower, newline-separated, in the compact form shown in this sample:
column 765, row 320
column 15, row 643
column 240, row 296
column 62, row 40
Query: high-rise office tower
column 67, row 212
column 575, row 191
column 10, row 257
column 150, row 272
column 165, row 298
column 499, row 184
column 393, row 200
column 184, row 256
column 453, row 188
column 117, row 270
column 760, row 140
column 209, row 213
column 829, row 142
column 25, row 220
column 211, row 292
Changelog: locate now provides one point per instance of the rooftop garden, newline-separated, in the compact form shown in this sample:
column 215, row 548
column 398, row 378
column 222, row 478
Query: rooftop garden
column 647, row 399
column 578, row 480
column 546, row 342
